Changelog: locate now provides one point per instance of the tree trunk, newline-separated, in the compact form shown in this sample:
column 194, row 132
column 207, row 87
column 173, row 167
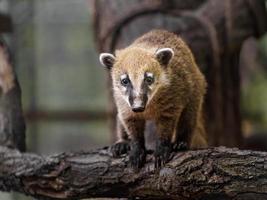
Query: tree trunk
column 12, row 126
column 215, row 31
column 218, row 173
column 5, row 23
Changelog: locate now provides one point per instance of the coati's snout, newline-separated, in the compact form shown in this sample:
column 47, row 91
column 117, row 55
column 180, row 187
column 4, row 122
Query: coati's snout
column 135, row 92
column 138, row 102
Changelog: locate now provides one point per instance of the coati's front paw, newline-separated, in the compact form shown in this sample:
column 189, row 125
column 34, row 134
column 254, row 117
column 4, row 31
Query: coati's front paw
column 120, row 148
column 180, row 146
column 162, row 153
column 137, row 155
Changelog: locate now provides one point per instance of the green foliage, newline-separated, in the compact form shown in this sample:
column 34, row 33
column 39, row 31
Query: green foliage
column 254, row 98
column 263, row 50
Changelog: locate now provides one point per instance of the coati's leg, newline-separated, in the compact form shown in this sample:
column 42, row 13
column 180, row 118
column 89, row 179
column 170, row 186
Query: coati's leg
column 184, row 130
column 187, row 125
column 122, row 145
column 165, row 128
column 135, row 129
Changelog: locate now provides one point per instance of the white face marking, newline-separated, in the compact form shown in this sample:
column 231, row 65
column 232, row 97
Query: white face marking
column 163, row 81
column 135, row 92
column 124, row 89
column 137, row 103
column 137, row 87
column 123, row 76
column 149, row 74
column 120, row 88
column 137, row 83
column 117, row 91
column 126, row 99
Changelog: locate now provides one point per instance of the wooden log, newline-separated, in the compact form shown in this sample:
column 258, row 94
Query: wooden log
column 217, row 173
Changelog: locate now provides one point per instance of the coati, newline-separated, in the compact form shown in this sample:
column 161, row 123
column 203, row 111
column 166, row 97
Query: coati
column 156, row 78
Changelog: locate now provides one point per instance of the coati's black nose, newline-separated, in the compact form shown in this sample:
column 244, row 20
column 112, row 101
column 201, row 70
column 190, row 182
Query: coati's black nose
column 138, row 109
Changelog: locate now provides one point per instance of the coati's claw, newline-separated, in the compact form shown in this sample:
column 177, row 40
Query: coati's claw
column 120, row 148
column 162, row 153
column 137, row 156
column 180, row 146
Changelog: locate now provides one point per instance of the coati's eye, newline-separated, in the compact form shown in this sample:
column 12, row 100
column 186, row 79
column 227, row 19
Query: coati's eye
column 125, row 81
column 149, row 80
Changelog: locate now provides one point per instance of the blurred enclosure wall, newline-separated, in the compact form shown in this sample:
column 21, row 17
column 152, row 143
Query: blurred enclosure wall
column 63, row 87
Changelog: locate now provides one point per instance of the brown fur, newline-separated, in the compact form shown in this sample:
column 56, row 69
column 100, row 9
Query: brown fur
column 176, row 107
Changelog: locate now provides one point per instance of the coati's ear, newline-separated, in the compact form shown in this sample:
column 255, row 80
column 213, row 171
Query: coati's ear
column 164, row 55
column 107, row 60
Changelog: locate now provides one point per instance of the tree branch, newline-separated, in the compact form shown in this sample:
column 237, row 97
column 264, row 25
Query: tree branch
column 203, row 174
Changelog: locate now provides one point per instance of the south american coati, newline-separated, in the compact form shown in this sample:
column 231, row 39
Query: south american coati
column 156, row 78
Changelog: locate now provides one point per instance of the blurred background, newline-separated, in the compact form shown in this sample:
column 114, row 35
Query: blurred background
column 64, row 96
column 64, row 89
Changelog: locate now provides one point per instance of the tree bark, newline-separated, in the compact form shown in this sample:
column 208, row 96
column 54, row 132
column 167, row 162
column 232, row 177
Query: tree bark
column 217, row 173
column 215, row 31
